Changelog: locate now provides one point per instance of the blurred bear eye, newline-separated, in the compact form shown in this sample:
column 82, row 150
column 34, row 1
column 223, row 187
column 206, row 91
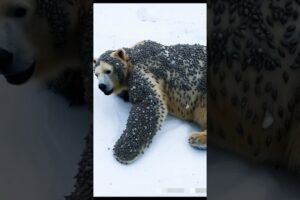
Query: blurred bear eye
column 17, row 12
column 107, row 71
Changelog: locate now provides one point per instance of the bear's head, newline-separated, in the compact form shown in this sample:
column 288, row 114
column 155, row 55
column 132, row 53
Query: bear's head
column 38, row 38
column 112, row 70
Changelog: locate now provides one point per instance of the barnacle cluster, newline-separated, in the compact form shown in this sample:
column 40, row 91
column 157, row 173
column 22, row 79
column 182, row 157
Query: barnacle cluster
column 144, row 120
column 254, row 58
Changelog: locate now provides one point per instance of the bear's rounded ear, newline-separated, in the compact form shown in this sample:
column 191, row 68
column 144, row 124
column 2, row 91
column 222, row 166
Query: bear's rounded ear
column 120, row 53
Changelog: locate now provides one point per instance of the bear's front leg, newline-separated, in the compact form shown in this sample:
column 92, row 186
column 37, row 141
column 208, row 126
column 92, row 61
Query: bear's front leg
column 146, row 117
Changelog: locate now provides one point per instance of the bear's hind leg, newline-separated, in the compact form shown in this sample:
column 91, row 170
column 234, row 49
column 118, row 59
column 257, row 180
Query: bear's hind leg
column 199, row 139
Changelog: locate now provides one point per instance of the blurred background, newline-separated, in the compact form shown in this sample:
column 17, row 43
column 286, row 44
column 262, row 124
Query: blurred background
column 42, row 138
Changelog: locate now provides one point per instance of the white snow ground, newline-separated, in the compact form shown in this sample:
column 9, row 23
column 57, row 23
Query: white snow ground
column 170, row 167
column 41, row 142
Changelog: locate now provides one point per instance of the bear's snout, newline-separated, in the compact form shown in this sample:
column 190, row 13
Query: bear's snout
column 102, row 87
column 105, row 89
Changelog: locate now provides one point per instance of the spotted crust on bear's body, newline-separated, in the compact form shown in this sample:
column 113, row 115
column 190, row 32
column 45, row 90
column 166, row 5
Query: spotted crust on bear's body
column 159, row 79
column 254, row 88
column 145, row 118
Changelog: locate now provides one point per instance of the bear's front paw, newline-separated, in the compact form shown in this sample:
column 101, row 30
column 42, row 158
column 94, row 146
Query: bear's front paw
column 125, row 153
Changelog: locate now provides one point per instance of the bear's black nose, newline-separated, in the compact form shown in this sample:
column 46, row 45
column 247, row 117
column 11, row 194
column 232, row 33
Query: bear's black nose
column 102, row 87
column 6, row 59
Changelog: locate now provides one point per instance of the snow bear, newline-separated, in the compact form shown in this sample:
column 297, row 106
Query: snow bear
column 159, row 79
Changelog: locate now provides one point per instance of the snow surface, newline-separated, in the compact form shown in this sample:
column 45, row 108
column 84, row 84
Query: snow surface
column 170, row 167
column 41, row 142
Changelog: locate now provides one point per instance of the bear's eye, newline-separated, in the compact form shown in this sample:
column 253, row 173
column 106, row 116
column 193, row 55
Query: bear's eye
column 17, row 12
column 107, row 71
